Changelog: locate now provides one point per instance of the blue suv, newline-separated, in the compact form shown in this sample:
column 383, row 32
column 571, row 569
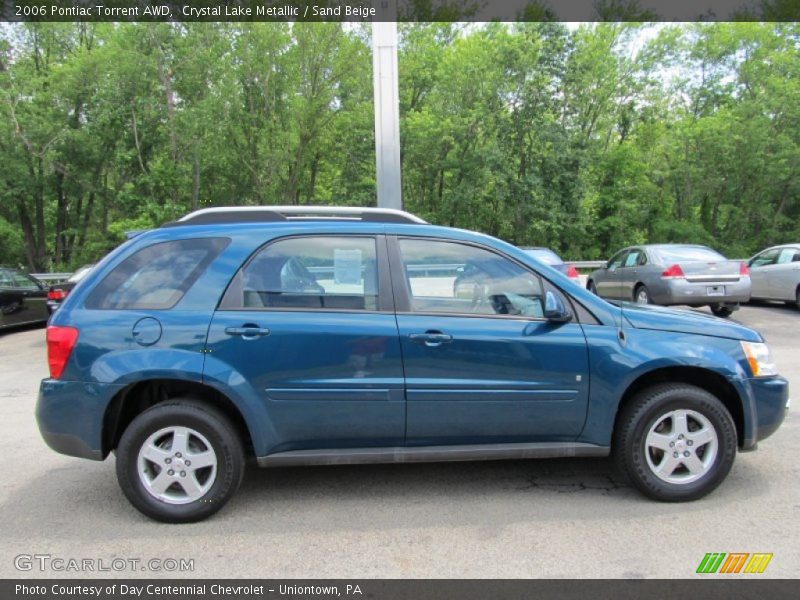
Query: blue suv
column 309, row 335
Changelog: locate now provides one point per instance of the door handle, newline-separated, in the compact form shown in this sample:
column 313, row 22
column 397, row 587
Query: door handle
column 431, row 338
column 248, row 331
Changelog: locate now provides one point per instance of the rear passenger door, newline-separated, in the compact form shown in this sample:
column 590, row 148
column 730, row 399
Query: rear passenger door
column 760, row 266
column 784, row 277
column 307, row 325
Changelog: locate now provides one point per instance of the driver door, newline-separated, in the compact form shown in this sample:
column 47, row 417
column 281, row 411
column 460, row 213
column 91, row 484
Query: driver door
column 481, row 363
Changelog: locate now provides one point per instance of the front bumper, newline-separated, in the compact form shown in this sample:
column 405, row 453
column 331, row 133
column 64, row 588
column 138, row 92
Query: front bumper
column 70, row 416
column 771, row 402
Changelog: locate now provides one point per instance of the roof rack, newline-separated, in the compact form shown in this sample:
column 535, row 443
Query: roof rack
column 271, row 214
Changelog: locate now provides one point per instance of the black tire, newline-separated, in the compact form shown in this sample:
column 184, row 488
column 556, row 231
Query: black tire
column 797, row 298
column 212, row 425
column 641, row 288
column 720, row 310
column 591, row 287
column 651, row 406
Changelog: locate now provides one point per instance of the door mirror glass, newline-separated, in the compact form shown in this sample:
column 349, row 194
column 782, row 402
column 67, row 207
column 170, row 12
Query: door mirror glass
column 555, row 309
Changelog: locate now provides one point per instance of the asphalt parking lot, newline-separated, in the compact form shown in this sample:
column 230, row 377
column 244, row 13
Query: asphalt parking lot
column 521, row 519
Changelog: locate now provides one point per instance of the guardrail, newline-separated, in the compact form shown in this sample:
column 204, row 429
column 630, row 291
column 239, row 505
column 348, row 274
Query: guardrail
column 425, row 269
column 51, row 277
column 586, row 264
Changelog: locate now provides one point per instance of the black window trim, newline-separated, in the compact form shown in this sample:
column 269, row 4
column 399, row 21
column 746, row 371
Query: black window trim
column 402, row 295
column 385, row 296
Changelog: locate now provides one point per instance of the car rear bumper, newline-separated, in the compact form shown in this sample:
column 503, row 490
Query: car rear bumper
column 682, row 291
column 70, row 416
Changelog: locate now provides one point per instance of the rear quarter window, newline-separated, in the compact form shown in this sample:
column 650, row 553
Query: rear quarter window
column 156, row 277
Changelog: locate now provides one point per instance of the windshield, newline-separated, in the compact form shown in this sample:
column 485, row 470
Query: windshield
column 674, row 254
column 545, row 255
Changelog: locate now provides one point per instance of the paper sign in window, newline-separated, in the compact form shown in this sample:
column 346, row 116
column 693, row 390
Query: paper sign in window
column 347, row 266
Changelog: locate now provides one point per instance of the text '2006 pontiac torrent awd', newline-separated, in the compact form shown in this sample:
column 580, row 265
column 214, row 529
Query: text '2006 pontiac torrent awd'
column 297, row 336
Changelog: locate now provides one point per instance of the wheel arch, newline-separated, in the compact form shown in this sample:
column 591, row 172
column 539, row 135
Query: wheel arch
column 705, row 379
column 137, row 397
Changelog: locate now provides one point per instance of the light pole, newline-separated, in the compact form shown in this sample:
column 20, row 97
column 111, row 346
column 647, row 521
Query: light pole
column 387, row 104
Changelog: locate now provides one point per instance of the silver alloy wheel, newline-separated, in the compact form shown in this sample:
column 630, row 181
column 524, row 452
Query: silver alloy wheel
column 641, row 296
column 681, row 446
column 177, row 465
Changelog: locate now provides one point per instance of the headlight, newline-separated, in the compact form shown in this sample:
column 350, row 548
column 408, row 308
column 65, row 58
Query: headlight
column 760, row 359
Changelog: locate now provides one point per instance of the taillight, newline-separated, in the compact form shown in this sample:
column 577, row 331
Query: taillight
column 57, row 294
column 673, row 272
column 60, row 342
column 744, row 270
column 572, row 272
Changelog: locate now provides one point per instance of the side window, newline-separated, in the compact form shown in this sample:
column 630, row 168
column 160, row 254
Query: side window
column 156, row 277
column 5, row 279
column 617, row 260
column 449, row 277
column 788, row 255
column 325, row 272
column 633, row 258
column 26, row 283
column 765, row 258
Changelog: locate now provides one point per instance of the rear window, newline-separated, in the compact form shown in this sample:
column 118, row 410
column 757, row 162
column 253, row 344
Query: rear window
column 156, row 277
column 548, row 257
column 688, row 254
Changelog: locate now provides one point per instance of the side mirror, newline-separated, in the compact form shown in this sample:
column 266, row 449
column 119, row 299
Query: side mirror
column 555, row 310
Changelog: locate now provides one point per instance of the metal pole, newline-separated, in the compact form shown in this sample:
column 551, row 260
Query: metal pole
column 387, row 104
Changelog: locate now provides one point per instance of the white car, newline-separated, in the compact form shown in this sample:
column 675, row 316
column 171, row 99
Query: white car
column 775, row 274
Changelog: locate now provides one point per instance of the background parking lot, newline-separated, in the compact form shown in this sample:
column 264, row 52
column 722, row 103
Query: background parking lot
column 547, row 518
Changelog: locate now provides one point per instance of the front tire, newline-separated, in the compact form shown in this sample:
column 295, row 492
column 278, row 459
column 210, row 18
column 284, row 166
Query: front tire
column 676, row 442
column 180, row 461
column 591, row 287
column 641, row 295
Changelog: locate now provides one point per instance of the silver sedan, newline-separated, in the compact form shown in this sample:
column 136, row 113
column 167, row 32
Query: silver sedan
column 673, row 274
column 775, row 273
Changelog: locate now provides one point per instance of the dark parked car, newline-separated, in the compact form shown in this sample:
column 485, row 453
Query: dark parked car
column 59, row 291
column 193, row 347
column 22, row 299
column 672, row 274
column 549, row 257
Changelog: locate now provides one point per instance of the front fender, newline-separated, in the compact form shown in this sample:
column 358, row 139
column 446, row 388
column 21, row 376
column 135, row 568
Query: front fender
column 615, row 366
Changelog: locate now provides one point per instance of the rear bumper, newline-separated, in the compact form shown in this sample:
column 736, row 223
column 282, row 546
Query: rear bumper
column 681, row 291
column 70, row 416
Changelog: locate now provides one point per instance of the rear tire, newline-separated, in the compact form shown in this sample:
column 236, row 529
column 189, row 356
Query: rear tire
column 676, row 442
column 180, row 461
column 720, row 310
